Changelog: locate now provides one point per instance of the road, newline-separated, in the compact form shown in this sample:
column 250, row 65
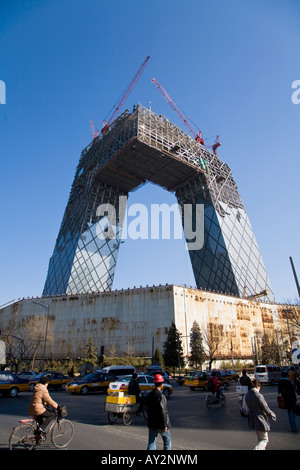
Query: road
column 194, row 427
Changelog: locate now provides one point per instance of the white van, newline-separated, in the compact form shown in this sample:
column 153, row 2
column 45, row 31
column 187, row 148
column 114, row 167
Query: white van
column 119, row 371
column 268, row 373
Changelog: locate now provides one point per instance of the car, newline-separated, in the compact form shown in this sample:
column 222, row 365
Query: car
column 197, row 379
column 11, row 384
column 119, row 371
column 180, row 379
column 233, row 375
column 27, row 374
column 95, row 382
column 58, row 381
column 146, row 385
column 267, row 373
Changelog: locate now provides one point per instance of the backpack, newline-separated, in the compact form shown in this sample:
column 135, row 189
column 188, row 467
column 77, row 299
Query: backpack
column 211, row 385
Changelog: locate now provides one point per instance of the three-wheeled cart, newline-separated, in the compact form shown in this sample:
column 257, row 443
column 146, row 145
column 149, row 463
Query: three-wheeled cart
column 122, row 406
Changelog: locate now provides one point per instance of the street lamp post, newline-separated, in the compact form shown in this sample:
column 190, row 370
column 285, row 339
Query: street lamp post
column 47, row 308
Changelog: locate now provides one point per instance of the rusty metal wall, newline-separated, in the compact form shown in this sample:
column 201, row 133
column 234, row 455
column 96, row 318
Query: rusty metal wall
column 127, row 321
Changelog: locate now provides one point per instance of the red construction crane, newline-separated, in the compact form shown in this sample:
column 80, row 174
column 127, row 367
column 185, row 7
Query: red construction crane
column 198, row 137
column 94, row 134
column 124, row 97
column 215, row 145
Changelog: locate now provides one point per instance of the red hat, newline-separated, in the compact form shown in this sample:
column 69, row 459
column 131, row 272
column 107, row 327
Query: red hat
column 158, row 379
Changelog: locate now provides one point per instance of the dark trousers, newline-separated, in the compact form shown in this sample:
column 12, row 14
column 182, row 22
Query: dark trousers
column 45, row 418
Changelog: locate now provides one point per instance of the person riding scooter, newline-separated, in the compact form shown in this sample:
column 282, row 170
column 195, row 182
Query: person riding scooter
column 214, row 384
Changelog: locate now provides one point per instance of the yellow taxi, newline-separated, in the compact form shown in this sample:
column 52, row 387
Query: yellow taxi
column 199, row 379
column 58, row 381
column 11, row 384
column 146, row 383
column 196, row 380
column 95, row 382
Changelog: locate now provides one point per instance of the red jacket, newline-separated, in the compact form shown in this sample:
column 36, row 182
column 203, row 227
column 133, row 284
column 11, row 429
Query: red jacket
column 216, row 381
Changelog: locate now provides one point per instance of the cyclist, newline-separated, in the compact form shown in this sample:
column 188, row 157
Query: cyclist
column 40, row 398
column 214, row 385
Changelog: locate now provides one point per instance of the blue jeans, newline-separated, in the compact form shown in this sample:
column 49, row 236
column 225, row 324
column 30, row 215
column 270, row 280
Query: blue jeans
column 166, row 437
column 292, row 420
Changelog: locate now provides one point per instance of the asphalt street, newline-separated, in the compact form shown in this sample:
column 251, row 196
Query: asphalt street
column 193, row 426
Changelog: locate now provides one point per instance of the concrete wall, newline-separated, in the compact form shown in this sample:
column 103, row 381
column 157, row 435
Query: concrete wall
column 126, row 321
column 239, row 319
column 123, row 321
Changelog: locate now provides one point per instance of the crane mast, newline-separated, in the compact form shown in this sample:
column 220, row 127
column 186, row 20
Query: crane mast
column 124, row 97
column 198, row 137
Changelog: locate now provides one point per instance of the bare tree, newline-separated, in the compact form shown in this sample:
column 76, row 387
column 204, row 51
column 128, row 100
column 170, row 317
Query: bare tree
column 34, row 336
column 214, row 340
column 291, row 316
column 28, row 341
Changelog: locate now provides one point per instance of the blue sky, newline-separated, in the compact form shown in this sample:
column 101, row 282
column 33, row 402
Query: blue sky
column 228, row 64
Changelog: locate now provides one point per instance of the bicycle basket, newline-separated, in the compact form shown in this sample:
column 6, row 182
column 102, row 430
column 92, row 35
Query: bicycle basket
column 62, row 412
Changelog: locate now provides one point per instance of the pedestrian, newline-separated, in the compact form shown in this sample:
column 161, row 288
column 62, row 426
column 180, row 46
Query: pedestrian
column 287, row 389
column 245, row 379
column 259, row 412
column 158, row 416
column 134, row 389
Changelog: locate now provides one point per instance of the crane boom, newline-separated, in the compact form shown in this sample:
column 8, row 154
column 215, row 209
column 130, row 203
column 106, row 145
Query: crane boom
column 94, row 134
column 125, row 96
column 198, row 137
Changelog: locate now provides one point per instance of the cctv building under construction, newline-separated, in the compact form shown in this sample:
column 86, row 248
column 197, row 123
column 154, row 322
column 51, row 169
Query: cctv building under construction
column 139, row 147
column 229, row 272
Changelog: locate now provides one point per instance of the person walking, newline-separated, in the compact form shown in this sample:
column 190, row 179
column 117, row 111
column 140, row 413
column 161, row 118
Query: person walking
column 158, row 416
column 259, row 412
column 287, row 389
column 134, row 389
column 245, row 379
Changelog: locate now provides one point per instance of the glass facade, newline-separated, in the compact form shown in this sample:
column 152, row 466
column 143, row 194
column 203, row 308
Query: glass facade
column 144, row 146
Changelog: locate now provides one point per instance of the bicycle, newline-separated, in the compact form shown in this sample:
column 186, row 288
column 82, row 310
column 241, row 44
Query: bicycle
column 211, row 399
column 27, row 434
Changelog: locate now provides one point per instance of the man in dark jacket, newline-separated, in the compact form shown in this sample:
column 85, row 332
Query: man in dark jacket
column 287, row 390
column 158, row 416
column 134, row 389
column 245, row 379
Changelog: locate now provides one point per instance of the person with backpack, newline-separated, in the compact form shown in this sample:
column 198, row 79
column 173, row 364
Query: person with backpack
column 214, row 384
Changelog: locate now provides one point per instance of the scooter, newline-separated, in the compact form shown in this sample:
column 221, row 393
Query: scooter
column 211, row 399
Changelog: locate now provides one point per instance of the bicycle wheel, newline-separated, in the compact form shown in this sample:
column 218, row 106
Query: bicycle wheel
column 223, row 400
column 208, row 402
column 127, row 418
column 62, row 433
column 22, row 437
column 112, row 417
